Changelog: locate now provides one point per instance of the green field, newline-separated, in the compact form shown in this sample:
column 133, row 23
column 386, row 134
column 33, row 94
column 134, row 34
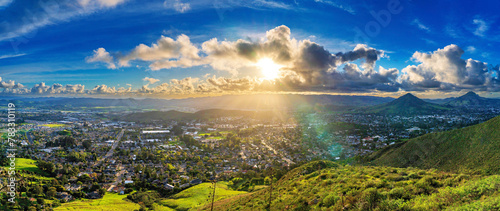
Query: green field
column 54, row 125
column 110, row 201
column 197, row 196
column 28, row 165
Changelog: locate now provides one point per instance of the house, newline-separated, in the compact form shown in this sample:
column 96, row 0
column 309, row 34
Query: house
column 195, row 181
column 185, row 185
column 169, row 186
column 368, row 139
column 64, row 196
column 93, row 195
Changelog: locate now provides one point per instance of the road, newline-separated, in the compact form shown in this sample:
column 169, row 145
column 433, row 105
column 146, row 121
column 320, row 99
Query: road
column 30, row 137
column 272, row 149
column 119, row 176
column 112, row 150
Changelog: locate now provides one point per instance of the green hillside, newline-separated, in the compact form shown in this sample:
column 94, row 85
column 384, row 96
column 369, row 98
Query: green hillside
column 110, row 201
column 472, row 149
column 406, row 105
column 197, row 196
column 471, row 99
column 324, row 185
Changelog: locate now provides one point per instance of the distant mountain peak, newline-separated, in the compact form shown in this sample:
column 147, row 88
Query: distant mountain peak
column 471, row 94
column 408, row 95
column 407, row 104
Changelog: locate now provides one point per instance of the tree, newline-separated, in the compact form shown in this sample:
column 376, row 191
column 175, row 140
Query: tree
column 87, row 144
column 37, row 190
column 46, row 166
column 102, row 191
column 177, row 130
column 51, row 192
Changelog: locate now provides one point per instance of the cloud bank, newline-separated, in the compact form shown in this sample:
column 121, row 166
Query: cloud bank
column 305, row 66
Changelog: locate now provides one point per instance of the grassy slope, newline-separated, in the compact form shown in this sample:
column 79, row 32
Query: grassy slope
column 27, row 165
column 471, row 149
column 197, row 196
column 110, row 201
column 370, row 188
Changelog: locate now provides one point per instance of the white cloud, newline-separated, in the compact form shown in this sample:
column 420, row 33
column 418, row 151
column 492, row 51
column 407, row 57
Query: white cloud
column 181, row 7
column 38, row 14
column 471, row 49
column 445, row 69
column 101, row 55
column 10, row 84
column 103, row 89
column 100, row 3
column 5, row 3
column 11, row 55
column 166, row 52
column 482, row 27
column 339, row 5
column 41, row 88
column 150, row 80
column 421, row 25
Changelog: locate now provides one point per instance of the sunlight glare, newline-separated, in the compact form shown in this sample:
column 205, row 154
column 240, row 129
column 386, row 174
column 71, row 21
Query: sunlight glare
column 270, row 70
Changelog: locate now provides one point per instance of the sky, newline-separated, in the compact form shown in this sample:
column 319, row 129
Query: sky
column 181, row 48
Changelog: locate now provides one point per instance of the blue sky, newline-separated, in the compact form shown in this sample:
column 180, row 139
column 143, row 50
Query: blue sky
column 56, row 42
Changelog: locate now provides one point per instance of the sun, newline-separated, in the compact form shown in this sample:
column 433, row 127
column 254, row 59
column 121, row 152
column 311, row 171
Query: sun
column 270, row 70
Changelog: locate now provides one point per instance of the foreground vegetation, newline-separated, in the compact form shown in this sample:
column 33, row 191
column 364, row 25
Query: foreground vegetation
column 324, row 185
column 198, row 195
column 110, row 201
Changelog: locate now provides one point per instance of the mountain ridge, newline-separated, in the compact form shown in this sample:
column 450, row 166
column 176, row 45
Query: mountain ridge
column 407, row 104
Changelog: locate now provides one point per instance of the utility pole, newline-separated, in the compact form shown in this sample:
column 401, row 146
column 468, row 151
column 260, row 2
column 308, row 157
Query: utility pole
column 271, row 189
column 213, row 193
column 213, row 196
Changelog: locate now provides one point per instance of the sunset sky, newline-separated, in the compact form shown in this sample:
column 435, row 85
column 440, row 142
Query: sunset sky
column 196, row 48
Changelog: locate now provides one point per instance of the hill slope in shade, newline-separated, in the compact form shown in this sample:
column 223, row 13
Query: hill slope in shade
column 407, row 104
column 471, row 149
column 324, row 185
column 471, row 99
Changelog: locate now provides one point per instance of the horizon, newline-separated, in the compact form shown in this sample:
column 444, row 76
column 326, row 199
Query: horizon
column 460, row 94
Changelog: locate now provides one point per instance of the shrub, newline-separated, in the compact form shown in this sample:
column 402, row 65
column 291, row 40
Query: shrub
column 371, row 196
column 397, row 193
column 327, row 182
column 414, row 176
column 329, row 200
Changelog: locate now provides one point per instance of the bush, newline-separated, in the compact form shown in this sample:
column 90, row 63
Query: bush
column 371, row 196
column 329, row 200
column 414, row 176
column 397, row 193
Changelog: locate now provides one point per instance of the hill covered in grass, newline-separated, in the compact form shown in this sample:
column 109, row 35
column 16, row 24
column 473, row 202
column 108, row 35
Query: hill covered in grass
column 197, row 196
column 474, row 149
column 406, row 105
column 471, row 99
column 110, row 201
column 324, row 185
